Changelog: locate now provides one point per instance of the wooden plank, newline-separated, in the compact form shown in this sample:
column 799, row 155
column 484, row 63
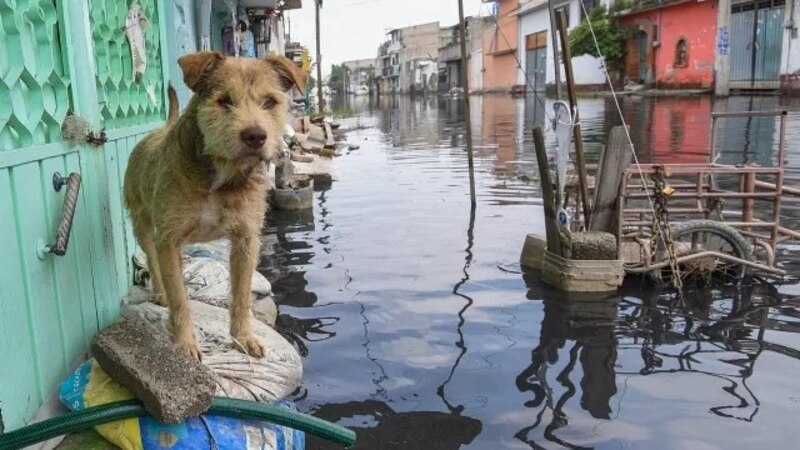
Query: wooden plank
column 329, row 141
column 62, row 280
column 79, row 255
column 548, row 196
column 19, row 392
column 11, row 158
column 115, row 208
column 615, row 159
column 33, row 230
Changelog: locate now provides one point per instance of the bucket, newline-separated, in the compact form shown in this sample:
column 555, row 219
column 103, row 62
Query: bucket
column 573, row 275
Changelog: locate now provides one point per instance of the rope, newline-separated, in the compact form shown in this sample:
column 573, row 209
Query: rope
column 627, row 133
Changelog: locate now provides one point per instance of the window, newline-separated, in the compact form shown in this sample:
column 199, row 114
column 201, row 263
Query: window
column 681, row 53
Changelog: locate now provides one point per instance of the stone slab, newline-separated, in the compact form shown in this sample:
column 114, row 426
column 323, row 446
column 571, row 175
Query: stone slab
column 172, row 385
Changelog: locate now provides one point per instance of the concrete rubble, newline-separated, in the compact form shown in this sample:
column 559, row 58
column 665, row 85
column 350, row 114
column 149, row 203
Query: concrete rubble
column 172, row 385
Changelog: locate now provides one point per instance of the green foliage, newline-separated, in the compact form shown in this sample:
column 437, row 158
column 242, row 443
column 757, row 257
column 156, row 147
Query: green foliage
column 337, row 76
column 610, row 34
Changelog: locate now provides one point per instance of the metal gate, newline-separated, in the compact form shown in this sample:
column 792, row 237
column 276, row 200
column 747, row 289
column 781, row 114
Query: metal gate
column 756, row 42
column 61, row 58
column 536, row 60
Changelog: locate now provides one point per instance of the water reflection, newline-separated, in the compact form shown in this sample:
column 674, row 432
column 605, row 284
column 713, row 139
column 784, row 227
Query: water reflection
column 583, row 333
column 668, row 337
column 413, row 336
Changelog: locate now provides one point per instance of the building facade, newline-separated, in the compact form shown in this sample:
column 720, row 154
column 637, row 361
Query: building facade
column 538, row 63
column 358, row 73
column 671, row 45
column 450, row 69
column 757, row 45
column 407, row 59
column 500, row 48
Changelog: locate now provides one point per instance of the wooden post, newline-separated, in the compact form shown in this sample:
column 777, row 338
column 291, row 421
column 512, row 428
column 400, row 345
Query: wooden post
column 573, row 102
column 554, row 37
column 462, row 27
column 320, row 98
column 548, row 196
column 615, row 159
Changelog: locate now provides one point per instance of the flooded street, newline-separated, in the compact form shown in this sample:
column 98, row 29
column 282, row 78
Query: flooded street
column 419, row 329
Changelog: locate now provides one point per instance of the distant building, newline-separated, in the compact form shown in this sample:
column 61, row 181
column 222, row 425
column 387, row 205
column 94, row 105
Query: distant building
column 357, row 73
column 500, row 48
column 407, row 59
column 450, row 54
column 538, row 65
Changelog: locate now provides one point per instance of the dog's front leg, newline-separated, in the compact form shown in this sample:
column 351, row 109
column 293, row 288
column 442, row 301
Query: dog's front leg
column 244, row 257
column 180, row 317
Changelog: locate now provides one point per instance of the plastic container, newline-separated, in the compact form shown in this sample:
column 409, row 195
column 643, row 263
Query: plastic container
column 571, row 275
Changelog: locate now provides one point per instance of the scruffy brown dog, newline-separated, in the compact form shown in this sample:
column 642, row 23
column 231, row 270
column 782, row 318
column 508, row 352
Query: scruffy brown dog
column 203, row 176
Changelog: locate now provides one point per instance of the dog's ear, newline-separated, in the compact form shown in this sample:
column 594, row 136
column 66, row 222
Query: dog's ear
column 288, row 73
column 197, row 67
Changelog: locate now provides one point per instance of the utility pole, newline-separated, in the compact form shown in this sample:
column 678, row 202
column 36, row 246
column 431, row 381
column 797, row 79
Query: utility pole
column 321, row 100
column 462, row 26
column 554, row 36
column 580, row 161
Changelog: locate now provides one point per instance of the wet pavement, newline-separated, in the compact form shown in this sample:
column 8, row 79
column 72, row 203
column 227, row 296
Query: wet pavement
column 419, row 329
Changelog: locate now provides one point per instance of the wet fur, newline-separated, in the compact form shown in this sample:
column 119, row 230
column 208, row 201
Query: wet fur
column 194, row 180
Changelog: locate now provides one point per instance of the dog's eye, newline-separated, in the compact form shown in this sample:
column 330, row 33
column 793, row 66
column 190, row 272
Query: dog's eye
column 269, row 103
column 225, row 102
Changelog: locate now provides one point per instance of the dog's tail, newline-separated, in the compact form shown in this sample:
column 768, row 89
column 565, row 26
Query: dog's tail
column 173, row 105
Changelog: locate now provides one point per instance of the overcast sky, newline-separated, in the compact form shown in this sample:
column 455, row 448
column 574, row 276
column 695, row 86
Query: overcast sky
column 353, row 29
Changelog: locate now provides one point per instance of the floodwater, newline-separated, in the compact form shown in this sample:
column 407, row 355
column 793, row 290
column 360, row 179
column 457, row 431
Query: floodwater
column 419, row 329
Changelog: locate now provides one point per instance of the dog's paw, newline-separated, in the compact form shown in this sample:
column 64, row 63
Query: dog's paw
column 189, row 345
column 160, row 299
column 250, row 345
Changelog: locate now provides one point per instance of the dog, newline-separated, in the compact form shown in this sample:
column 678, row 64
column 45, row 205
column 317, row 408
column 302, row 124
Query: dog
column 203, row 176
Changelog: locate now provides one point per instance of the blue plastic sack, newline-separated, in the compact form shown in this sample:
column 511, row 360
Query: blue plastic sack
column 90, row 386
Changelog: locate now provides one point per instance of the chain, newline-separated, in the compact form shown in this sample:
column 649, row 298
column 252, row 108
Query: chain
column 661, row 227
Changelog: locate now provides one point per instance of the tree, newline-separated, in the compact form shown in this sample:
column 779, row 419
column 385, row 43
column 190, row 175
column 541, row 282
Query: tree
column 337, row 77
column 611, row 38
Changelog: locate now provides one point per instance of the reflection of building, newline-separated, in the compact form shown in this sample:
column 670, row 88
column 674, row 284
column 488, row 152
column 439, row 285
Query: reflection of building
column 672, row 45
column 407, row 59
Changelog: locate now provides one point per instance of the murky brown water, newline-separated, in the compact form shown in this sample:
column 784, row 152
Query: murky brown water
column 420, row 331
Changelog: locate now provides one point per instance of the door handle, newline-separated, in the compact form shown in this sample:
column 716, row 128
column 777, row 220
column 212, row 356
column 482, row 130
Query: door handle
column 64, row 230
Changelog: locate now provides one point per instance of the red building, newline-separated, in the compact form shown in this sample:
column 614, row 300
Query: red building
column 672, row 45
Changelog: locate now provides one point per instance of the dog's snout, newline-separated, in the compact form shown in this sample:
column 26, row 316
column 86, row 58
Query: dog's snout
column 254, row 137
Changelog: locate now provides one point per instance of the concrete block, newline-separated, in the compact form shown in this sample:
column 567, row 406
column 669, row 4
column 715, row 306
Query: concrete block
column 592, row 245
column 293, row 199
column 172, row 385
column 533, row 251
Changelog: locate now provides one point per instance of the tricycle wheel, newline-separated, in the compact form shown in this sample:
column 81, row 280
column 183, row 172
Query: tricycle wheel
column 704, row 235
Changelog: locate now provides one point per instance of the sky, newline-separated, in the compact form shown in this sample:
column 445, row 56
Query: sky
column 353, row 29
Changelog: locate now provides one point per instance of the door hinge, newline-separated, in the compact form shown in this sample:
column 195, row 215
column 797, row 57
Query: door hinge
column 97, row 139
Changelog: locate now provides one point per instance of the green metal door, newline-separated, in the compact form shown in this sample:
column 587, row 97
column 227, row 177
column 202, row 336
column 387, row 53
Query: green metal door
column 60, row 58
column 756, row 44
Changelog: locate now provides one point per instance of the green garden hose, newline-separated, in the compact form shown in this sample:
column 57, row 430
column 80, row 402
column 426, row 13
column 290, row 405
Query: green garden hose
column 98, row 415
